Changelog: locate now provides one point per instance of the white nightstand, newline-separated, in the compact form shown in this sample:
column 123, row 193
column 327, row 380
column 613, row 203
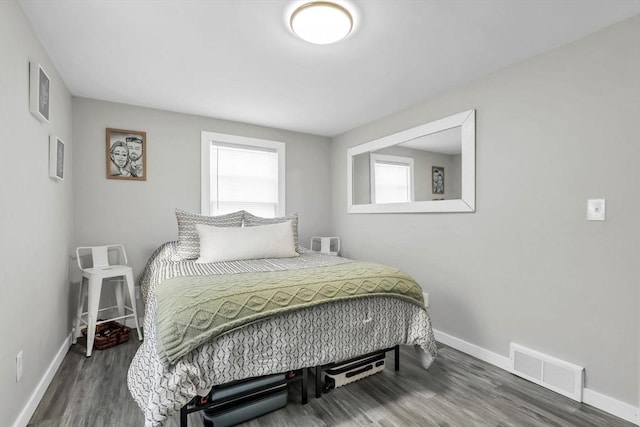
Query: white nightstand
column 325, row 245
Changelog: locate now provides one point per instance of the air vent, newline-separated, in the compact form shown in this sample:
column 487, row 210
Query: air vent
column 555, row 374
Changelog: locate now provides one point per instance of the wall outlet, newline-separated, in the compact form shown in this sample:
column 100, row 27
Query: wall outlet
column 137, row 292
column 426, row 299
column 19, row 366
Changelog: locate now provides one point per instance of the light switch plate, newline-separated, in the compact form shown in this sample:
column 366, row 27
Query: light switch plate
column 596, row 209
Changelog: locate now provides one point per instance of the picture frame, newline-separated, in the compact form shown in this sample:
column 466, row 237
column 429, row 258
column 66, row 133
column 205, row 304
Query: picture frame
column 39, row 92
column 437, row 179
column 126, row 154
column 56, row 158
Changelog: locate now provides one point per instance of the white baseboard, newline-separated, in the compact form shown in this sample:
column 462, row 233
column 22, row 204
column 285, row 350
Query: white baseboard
column 473, row 350
column 605, row 403
column 36, row 396
column 608, row 404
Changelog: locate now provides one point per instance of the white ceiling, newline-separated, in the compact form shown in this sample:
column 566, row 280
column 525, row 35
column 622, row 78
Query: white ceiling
column 237, row 60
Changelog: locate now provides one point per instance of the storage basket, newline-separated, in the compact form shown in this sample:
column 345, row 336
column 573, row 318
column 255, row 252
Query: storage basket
column 109, row 334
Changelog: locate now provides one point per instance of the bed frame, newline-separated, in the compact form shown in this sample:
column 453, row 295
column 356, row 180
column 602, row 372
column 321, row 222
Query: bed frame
column 200, row 403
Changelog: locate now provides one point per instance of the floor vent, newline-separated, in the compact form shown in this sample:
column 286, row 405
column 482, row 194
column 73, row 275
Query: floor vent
column 555, row 374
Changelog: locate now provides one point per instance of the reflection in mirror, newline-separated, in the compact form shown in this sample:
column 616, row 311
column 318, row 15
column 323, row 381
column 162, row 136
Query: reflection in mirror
column 424, row 168
column 430, row 168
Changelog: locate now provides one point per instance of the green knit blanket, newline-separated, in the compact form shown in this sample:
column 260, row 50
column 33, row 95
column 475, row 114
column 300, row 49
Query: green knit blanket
column 194, row 310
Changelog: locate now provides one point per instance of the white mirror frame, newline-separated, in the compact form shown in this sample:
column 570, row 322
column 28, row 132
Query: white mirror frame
column 467, row 203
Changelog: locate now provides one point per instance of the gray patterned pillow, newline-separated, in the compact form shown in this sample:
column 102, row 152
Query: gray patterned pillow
column 250, row 220
column 188, row 246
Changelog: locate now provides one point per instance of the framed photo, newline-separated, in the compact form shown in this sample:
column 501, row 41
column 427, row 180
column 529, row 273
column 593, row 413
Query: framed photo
column 126, row 154
column 39, row 92
column 437, row 179
column 56, row 158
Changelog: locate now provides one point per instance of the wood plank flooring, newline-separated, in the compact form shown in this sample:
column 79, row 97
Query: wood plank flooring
column 458, row 390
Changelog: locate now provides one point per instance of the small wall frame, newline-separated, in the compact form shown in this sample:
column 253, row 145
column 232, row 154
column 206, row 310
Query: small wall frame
column 126, row 154
column 39, row 92
column 56, row 158
column 437, row 179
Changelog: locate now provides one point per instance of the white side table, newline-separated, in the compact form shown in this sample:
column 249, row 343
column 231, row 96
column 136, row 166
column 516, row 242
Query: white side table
column 325, row 245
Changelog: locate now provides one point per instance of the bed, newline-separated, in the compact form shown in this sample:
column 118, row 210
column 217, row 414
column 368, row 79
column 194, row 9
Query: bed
column 162, row 381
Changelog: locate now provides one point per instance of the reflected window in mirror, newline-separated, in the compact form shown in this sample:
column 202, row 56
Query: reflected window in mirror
column 391, row 179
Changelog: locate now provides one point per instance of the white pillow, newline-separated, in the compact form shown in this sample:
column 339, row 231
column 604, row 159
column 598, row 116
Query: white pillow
column 188, row 244
column 251, row 220
column 229, row 244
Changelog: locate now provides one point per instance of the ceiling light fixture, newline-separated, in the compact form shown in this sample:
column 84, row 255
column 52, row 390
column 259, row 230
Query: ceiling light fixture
column 321, row 22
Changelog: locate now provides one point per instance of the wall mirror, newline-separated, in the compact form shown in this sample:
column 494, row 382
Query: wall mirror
column 428, row 168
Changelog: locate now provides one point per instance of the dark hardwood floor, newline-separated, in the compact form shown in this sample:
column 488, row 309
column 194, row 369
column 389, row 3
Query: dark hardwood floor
column 458, row 390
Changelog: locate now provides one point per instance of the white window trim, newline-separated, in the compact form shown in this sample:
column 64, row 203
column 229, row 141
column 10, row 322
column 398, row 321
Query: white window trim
column 386, row 158
column 205, row 155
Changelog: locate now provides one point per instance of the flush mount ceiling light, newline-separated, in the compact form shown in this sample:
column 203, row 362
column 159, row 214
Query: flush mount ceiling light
column 321, row 22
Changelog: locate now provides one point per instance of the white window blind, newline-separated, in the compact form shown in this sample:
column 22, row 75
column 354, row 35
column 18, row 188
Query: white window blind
column 242, row 173
column 392, row 179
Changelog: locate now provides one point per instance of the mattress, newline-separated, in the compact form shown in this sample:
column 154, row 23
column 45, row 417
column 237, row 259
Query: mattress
column 309, row 337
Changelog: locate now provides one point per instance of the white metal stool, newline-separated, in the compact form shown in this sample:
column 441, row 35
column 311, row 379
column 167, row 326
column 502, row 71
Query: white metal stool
column 99, row 270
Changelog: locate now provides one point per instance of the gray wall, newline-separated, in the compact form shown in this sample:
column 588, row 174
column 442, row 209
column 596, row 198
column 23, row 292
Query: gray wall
column 35, row 217
column 527, row 267
column 140, row 214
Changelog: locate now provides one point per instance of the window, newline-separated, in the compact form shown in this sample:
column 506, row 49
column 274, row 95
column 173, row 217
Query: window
column 391, row 179
column 242, row 173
